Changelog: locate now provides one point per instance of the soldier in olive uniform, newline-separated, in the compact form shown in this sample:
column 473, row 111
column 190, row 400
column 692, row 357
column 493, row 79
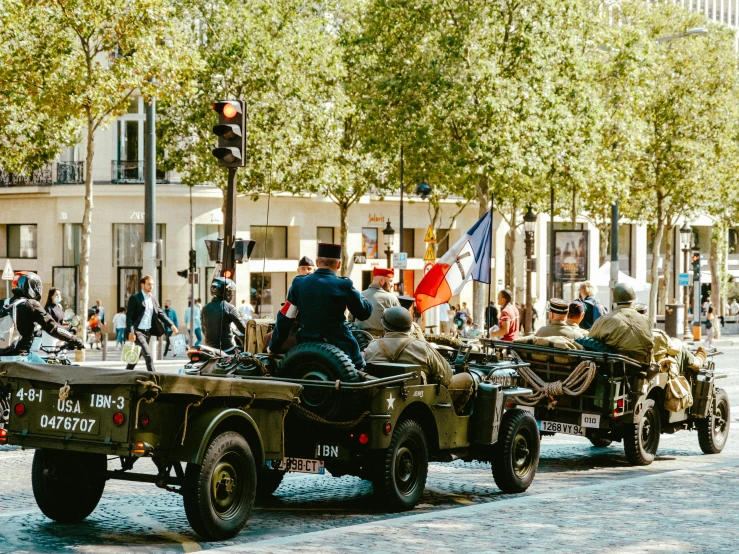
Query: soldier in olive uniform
column 381, row 299
column 625, row 331
column 321, row 298
column 558, row 327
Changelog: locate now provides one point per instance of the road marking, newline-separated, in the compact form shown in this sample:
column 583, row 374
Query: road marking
column 134, row 514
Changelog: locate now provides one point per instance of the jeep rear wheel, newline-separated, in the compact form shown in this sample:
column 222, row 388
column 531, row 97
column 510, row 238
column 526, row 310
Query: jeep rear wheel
column 401, row 472
column 516, row 454
column 714, row 429
column 67, row 485
column 219, row 493
column 641, row 438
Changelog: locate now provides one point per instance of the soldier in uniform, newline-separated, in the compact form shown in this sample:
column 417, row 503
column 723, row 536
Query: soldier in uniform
column 558, row 327
column 321, row 298
column 306, row 266
column 398, row 345
column 576, row 314
column 378, row 294
column 625, row 331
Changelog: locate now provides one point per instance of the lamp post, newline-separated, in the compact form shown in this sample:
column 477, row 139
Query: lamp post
column 686, row 239
column 529, row 226
column 388, row 233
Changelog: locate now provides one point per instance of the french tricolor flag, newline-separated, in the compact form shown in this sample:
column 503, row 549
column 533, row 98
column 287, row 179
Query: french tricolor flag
column 469, row 258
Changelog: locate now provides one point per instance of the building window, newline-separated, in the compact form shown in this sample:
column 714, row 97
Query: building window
column 369, row 242
column 442, row 235
column 72, row 245
column 128, row 244
column 203, row 233
column 21, row 241
column 624, row 248
column 409, row 242
column 325, row 234
column 271, row 240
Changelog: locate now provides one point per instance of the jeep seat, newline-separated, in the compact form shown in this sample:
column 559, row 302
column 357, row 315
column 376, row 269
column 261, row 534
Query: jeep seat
column 388, row 369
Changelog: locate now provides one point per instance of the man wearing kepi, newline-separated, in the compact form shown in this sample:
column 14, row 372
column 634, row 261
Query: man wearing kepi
column 625, row 330
column 557, row 326
column 378, row 294
column 321, row 299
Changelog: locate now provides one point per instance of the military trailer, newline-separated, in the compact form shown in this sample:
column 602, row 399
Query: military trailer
column 386, row 425
column 223, row 431
column 609, row 397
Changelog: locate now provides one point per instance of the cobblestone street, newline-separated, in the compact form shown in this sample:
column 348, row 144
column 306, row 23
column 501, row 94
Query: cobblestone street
column 584, row 499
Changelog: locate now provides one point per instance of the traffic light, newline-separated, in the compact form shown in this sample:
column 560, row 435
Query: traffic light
column 193, row 259
column 215, row 250
column 231, row 133
column 243, row 249
column 228, row 274
column 696, row 260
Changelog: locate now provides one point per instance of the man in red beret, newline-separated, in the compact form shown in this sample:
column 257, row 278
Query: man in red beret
column 381, row 299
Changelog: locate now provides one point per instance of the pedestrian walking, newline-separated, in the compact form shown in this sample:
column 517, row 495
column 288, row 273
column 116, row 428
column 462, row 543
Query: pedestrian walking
column 170, row 312
column 119, row 324
column 444, row 319
column 710, row 320
column 245, row 310
column 509, row 318
column 196, row 322
column 95, row 329
column 101, row 313
column 144, row 319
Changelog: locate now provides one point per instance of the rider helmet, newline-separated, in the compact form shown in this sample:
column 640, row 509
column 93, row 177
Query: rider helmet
column 397, row 318
column 223, row 288
column 623, row 294
column 27, row 285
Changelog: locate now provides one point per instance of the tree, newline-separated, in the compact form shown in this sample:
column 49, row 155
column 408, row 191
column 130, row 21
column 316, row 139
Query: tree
column 102, row 53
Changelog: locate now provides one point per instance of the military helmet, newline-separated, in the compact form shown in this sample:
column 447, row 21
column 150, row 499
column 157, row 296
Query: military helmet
column 223, row 288
column 623, row 294
column 27, row 285
column 397, row 318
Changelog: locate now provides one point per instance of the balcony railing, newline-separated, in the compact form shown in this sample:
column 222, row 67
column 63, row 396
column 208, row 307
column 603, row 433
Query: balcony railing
column 37, row 177
column 70, row 173
column 132, row 172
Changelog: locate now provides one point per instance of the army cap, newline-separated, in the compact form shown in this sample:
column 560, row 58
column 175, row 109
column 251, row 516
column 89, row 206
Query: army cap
column 558, row 306
column 575, row 309
column 327, row 250
column 397, row 318
column 305, row 261
column 406, row 301
column 641, row 308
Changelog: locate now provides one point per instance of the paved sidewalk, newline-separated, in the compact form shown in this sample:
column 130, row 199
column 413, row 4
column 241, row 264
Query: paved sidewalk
column 677, row 511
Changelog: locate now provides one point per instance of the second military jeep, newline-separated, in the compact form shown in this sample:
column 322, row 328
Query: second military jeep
column 386, row 426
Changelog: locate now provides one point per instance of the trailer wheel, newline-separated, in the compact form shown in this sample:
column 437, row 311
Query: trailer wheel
column 400, row 474
column 268, row 481
column 516, row 454
column 219, row 493
column 67, row 485
column 600, row 442
column 714, row 429
column 641, row 439
column 319, row 361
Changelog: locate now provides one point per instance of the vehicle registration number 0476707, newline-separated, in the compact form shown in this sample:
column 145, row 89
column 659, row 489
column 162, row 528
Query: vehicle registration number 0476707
column 298, row 465
column 557, row 427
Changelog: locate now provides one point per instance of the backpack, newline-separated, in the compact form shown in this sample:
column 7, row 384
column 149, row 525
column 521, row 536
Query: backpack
column 9, row 334
column 94, row 322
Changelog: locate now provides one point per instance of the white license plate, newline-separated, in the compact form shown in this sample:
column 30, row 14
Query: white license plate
column 298, row 465
column 556, row 427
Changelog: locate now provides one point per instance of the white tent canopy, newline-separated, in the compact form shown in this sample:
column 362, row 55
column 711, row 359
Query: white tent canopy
column 602, row 279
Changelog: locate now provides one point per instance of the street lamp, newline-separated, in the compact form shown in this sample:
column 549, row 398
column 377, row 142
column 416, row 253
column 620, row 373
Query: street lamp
column 686, row 240
column 388, row 233
column 529, row 226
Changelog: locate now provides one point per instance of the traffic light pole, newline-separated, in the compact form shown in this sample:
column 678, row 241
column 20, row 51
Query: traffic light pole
column 230, row 224
column 150, row 180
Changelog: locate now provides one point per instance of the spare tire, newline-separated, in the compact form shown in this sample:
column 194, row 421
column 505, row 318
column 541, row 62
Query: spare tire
column 362, row 337
column 319, row 361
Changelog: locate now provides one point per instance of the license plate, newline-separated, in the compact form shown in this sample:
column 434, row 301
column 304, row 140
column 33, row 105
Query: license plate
column 298, row 465
column 557, row 427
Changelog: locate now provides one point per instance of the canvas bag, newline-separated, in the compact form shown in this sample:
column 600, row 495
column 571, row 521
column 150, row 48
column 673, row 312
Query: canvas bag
column 677, row 394
column 179, row 344
column 130, row 353
column 9, row 335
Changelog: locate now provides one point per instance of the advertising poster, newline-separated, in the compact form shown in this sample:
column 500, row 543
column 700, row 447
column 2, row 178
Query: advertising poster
column 571, row 256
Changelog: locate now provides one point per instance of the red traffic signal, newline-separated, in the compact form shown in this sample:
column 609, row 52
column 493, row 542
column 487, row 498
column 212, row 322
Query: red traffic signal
column 228, row 108
column 231, row 133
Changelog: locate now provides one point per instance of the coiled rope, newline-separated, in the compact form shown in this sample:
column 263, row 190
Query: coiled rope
column 307, row 414
column 575, row 384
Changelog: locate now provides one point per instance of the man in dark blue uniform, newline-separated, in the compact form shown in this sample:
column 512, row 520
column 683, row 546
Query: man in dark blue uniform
column 321, row 298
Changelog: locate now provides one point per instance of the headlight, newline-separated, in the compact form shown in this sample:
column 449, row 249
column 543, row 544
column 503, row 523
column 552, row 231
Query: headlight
column 504, row 377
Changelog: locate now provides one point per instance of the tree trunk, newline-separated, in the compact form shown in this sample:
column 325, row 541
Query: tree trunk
column 344, row 209
column 605, row 243
column 665, row 293
column 715, row 263
column 480, row 292
column 510, row 257
column 86, row 229
column 656, row 248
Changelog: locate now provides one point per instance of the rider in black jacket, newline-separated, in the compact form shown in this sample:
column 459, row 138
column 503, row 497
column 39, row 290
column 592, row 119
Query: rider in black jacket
column 29, row 312
column 218, row 314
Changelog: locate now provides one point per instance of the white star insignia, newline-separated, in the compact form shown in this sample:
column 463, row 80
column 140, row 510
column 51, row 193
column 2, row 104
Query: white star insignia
column 391, row 403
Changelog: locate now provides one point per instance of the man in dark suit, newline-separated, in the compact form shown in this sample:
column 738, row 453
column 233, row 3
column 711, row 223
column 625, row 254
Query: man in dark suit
column 144, row 319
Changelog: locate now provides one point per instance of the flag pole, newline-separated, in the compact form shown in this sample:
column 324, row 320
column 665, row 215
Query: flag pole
column 490, row 263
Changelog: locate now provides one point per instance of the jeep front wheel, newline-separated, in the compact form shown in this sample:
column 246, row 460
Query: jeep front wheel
column 219, row 493
column 641, row 438
column 516, row 454
column 714, row 429
column 401, row 472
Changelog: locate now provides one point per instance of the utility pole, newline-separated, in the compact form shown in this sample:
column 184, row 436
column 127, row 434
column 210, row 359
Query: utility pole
column 230, row 225
column 402, row 243
column 614, row 249
column 150, row 180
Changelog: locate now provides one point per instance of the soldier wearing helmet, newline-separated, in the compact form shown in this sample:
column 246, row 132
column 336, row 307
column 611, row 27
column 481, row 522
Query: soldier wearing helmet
column 25, row 311
column 219, row 314
column 625, row 330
